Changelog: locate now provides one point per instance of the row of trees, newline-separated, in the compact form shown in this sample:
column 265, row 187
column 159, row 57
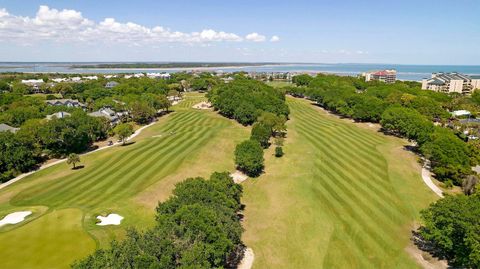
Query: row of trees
column 245, row 99
column 252, row 102
column 41, row 139
column 198, row 227
column 402, row 109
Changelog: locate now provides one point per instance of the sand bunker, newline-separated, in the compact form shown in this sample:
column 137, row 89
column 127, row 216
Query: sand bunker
column 111, row 219
column 248, row 258
column 238, row 177
column 203, row 105
column 14, row 218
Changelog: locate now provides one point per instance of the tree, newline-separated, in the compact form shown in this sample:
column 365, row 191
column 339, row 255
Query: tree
column 197, row 227
column 448, row 154
column 407, row 122
column 261, row 133
column 249, row 157
column 275, row 122
column 123, row 130
column 73, row 159
column 302, row 80
column 142, row 112
column 451, row 225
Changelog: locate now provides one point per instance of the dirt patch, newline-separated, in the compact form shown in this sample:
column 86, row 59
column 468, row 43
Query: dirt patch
column 238, row 177
column 203, row 105
column 424, row 259
column 248, row 258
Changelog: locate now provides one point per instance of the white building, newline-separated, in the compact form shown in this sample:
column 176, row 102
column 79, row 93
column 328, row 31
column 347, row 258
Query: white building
column 451, row 82
column 58, row 80
column 387, row 76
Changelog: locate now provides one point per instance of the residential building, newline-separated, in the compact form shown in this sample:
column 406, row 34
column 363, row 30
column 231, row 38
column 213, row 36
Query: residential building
column 58, row 115
column 111, row 84
column 65, row 102
column 34, row 84
column 58, row 80
column 7, row 128
column 387, row 76
column 451, row 82
column 108, row 113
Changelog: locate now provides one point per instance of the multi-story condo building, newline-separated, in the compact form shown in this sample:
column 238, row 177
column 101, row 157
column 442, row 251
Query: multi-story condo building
column 387, row 76
column 451, row 82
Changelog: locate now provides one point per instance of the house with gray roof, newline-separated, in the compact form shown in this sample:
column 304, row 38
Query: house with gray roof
column 7, row 128
column 111, row 84
column 108, row 113
column 65, row 102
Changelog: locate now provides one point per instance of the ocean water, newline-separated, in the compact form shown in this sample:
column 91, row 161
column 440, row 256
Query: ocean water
column 404, row 72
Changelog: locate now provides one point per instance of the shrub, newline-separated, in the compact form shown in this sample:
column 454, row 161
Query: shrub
column 278, row 152
column 249, row 157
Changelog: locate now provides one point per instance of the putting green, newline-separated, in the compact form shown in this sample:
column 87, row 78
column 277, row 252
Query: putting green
column 343, row 196
column 127, row 180
column 46, row 242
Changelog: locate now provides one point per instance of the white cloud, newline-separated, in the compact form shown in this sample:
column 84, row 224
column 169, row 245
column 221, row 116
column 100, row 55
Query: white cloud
column 274, row 39
column 70, row 25
column 255, row 37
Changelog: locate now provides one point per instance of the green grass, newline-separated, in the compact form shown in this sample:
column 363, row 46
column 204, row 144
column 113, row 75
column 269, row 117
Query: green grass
column 128, row 180
column 343, row 196
column 279, row 84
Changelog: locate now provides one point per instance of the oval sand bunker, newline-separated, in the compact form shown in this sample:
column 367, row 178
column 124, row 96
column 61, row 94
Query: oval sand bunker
column 111, row 219
column 14, row 218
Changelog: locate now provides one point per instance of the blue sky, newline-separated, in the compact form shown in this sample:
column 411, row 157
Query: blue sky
column 403, row 32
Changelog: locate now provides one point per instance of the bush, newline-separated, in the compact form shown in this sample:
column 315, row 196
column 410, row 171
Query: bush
column 249, row 157
column 278, row 152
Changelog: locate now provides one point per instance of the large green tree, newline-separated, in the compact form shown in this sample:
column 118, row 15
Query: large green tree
column 249, row 157
column 452, row 226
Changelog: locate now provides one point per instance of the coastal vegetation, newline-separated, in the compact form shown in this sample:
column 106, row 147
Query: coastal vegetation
column 343, row 196
column 402, row 109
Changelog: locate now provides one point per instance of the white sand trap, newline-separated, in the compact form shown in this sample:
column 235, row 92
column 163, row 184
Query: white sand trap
column 14, row 218
column 203, row 105
column 247, row 260
column 111, row 219
column 238, row 177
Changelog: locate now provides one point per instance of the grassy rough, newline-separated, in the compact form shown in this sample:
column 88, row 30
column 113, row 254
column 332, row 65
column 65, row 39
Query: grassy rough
column 341, row 197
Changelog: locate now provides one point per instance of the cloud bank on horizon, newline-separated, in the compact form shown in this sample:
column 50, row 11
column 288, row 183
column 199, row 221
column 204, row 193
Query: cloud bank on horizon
column 70, row 25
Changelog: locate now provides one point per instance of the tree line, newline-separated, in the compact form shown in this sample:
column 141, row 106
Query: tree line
column 450, row 227
column 402, row 109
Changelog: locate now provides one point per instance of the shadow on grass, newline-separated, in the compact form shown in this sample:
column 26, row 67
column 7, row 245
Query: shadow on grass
column 429, row 247
column 78, row 167
column 127, row 144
